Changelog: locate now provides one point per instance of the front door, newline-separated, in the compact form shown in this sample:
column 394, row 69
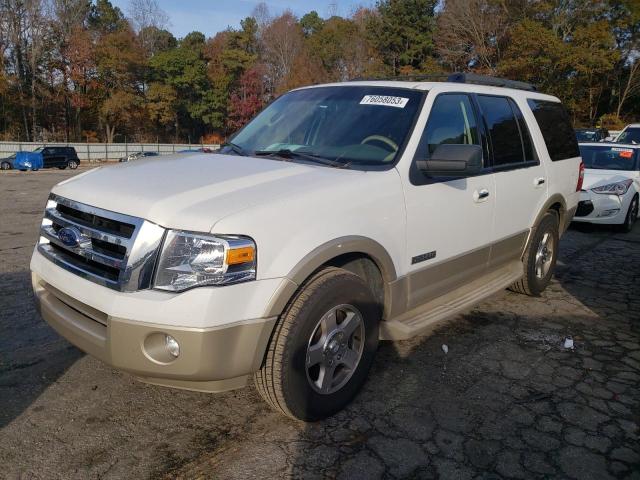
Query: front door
column 449, row 221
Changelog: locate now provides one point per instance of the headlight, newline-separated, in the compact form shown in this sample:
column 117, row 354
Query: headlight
column 618, row 188
column 190, row 260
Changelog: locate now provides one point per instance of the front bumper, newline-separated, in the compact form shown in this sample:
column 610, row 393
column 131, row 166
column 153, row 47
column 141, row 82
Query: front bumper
column 600, row 208
column 216, row 354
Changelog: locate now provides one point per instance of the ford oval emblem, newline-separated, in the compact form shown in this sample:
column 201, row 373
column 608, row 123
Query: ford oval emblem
column 70, row 236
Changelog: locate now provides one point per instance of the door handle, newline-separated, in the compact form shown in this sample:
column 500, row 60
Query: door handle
column 481, row 195
column 539, row 181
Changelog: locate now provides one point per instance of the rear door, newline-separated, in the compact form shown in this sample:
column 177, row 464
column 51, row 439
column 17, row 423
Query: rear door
column 520, row 176
column 449, row 220
column 551, row 125
column 53, row 157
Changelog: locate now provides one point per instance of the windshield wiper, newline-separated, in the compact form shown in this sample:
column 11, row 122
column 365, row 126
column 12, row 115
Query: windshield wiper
column 235, row 148
column 288, row 155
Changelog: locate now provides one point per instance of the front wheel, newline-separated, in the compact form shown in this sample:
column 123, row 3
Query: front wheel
column 322, row 347
column 5, row 166
column 72, row 164
column 632, row 216
column 540, row 257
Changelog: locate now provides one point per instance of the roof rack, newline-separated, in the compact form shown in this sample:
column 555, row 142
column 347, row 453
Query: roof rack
column 458, row 78
column 492, row 81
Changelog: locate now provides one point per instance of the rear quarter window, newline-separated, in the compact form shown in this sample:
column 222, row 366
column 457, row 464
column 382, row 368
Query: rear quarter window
column 555, row 125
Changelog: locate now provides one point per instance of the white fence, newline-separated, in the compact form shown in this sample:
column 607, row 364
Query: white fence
column 94, row 152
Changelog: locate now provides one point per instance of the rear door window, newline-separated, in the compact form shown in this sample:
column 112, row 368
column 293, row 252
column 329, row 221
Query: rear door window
column 504, row 131
column 555, row 125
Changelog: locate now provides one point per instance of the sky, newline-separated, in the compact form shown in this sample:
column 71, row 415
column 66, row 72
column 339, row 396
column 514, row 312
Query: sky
column 212, row 16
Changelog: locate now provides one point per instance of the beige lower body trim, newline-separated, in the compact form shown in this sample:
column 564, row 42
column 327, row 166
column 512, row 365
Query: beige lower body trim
column 568, row 219
column 213, row 359
column 424, row 285
column 214, row 386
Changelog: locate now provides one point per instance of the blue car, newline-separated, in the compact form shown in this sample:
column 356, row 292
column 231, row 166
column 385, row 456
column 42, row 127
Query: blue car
column 28, row 161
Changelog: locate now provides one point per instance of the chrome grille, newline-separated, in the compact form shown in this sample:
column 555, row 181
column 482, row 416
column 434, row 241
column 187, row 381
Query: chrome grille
column 114, row 250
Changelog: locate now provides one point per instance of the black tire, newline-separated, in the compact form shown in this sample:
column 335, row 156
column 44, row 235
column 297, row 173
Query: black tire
column 62, row 167
column 72, row 164
column 5, row 166
column 284, row 380
column 533, row 283
column 632, row 216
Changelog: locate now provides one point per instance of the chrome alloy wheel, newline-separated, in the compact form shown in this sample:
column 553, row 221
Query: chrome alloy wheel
column 544, row 255
column 335, row 349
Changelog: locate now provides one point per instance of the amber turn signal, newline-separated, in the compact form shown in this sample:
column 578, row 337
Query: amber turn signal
column 240, row 255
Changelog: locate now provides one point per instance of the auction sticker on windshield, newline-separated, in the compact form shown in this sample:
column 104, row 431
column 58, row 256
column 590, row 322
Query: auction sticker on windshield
column 384, row 100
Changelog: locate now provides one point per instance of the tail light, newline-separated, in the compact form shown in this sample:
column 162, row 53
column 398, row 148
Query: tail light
column 580, row 177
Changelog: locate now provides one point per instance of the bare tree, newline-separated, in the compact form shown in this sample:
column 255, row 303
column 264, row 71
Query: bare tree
column 282, row 41
column 631, row 87
column 147, row 13
column 144, row 14
column 262, row 15
column 470, row 33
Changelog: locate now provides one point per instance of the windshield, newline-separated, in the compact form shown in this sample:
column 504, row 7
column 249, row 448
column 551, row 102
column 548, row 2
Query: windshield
column 587, row 135
column 39, row 149
column 609, row 158
column 347, row 124
column 630, row 135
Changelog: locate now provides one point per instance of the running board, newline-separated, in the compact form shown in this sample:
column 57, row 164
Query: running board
column 423, row 319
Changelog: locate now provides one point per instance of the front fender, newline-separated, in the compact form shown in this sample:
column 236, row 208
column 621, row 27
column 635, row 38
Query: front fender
column 320, row 256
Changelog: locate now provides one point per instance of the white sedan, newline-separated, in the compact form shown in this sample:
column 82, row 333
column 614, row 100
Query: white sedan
column 610, row 192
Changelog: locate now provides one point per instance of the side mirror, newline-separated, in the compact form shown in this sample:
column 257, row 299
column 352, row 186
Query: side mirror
column 451, row 160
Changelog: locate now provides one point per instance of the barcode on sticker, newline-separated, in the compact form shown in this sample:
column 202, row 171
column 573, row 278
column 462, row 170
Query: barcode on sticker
column 384, row 100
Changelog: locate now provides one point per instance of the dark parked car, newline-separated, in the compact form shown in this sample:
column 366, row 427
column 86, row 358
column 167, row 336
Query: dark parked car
column 7, row 163
column 138, row 156
column 591, row 134
column 43, row 157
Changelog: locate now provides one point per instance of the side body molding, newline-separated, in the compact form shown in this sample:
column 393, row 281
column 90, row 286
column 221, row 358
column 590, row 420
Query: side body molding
column 322, row 254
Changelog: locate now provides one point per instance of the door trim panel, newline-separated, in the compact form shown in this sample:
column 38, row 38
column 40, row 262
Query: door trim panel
column 426, row 284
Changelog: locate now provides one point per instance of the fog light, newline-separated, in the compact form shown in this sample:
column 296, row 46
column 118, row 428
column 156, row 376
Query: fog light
column 173, row 347
column 608, row 213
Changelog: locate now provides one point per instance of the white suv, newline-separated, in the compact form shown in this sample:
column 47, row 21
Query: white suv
column 341, row 215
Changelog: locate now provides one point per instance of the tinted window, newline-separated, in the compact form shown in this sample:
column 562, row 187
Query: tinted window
column 527, row 143
column 452, row 121
column 503, row 130
column 609, row 158
column 630, row 135
column 556, row 129
column 588, row 135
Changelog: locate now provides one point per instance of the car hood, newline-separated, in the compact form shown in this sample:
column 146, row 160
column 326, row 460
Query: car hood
column 194, row 191
column 595, row 178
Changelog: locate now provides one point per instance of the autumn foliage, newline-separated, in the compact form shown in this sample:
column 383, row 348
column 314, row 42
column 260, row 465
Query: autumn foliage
column 83, row 70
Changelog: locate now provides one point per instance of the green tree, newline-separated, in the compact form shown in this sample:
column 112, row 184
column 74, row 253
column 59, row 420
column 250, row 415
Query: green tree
column 403, row 32
column 311, row 23
column 105, row 18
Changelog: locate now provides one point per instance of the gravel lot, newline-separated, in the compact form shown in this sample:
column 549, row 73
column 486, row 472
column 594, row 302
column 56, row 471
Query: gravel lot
column 507, row 401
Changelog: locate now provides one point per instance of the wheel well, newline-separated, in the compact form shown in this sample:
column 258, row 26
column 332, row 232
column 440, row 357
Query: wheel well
column 366, row 268
column 557, row 207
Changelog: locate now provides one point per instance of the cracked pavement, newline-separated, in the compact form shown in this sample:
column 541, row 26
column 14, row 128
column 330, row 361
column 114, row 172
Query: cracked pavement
column 506, row 401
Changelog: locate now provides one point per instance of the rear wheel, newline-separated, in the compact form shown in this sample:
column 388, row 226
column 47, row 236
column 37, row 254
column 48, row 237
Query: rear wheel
column 632, row 216
column 72, row 164
column 540, row 257
column 5, row 166
column 322, row 347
